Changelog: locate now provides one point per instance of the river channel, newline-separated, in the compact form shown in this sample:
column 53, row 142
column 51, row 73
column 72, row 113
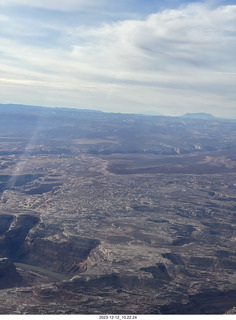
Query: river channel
column 56, row 276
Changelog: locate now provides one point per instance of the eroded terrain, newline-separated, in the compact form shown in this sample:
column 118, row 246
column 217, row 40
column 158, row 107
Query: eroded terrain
column 136, row 213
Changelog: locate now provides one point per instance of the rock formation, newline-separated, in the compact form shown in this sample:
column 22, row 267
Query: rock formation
column 9, row 277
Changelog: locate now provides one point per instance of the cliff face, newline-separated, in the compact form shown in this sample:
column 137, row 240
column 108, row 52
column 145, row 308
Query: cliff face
column 13, row 231
column 69, row 255
column 15, row 236
column 9, row 277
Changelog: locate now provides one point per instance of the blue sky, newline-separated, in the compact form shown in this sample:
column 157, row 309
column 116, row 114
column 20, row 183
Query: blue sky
column 170, row 57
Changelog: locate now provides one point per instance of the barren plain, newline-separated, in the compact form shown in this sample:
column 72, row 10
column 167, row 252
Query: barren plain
column 116, row 213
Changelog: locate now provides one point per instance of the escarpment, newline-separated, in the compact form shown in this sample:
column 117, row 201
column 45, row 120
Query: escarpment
column 16, row 235
column 68, row 256
column 24, row 240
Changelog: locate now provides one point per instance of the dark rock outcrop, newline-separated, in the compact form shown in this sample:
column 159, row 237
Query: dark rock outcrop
column 9, row 277
column 5, row 222
column 159, row 272
column 15, row 237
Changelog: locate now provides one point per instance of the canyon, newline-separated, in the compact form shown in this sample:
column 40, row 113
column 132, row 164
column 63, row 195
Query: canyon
column 116, row 213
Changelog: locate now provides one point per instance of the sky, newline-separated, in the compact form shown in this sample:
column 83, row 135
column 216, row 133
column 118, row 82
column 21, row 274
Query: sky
column 133, row 56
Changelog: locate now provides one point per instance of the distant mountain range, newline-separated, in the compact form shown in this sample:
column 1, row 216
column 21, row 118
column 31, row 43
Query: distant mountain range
column 200, row 115
column 19, row 108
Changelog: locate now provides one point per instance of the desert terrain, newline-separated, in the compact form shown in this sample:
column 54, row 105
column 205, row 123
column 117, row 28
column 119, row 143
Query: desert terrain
column 116, row 213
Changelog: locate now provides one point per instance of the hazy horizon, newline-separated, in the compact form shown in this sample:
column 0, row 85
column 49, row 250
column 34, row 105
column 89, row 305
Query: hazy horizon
column 144, row 113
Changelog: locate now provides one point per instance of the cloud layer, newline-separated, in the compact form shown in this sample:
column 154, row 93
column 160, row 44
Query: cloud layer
column 173, row 61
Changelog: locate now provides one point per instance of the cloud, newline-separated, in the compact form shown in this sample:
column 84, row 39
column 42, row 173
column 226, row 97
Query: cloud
column 180, row 57
column 194, row 36
column 172, row 49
